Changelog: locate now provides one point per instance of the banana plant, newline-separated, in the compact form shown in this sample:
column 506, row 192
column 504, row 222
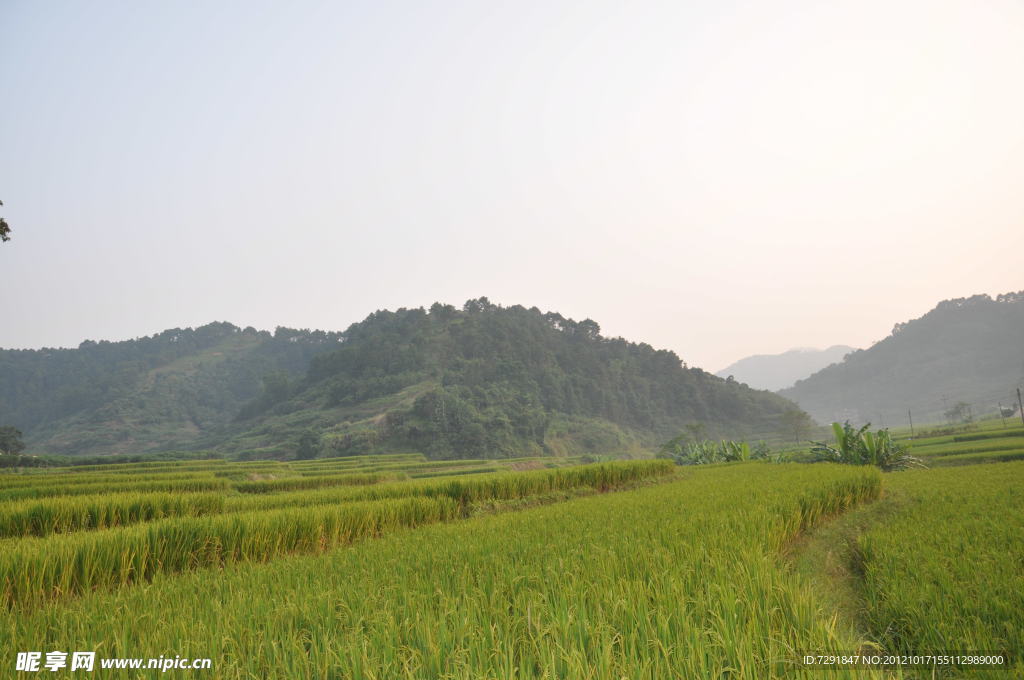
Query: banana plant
column 863, row 447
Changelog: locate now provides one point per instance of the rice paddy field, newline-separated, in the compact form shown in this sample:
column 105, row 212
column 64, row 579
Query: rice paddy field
column 398, row 567
column 991, row 441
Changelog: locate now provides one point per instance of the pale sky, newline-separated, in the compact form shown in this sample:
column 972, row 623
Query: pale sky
column 719, row 178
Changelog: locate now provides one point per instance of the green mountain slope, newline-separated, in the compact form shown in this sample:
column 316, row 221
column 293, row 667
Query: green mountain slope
column 491, row 381
column 967, row 350
column 165, row 391
column 481, row 381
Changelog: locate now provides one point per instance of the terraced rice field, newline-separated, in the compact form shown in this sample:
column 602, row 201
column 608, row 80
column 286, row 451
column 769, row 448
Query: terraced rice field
column 351, row 568
column 992, row 442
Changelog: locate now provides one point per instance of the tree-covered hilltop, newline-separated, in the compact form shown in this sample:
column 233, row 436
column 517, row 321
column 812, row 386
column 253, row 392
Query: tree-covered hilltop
column 967, row 351
column 149, row 393
column 480, row 381
column 489, row 381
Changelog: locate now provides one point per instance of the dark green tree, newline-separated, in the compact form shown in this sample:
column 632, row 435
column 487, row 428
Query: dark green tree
column 10, row 440
column 5, row 229
column 309, row 446
column 960, row 413
column 797, row 423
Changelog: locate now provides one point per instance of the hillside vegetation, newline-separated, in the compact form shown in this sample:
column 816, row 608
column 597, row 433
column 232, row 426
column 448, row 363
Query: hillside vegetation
column 483, row 381
column 490, row 381
column 158, row 392
column 965, row 350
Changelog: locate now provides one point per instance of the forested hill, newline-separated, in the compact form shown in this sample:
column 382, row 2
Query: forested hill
column 480, row 381
column 493, row 381
column 968, row 351
column 157, row 392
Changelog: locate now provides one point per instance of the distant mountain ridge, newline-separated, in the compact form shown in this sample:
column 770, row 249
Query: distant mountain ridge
column 968, row 350
column 777, row 371
column 480, row 381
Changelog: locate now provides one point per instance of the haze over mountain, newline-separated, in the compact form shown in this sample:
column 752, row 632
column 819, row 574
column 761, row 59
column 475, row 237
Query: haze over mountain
column 966, row 350
column 481, row 381
column 776, row 371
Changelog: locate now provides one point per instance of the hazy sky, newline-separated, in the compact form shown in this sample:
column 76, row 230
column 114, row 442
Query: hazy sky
column 719, row 178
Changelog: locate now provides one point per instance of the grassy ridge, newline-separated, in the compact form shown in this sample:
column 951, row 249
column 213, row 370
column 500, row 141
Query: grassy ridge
column 678, row 580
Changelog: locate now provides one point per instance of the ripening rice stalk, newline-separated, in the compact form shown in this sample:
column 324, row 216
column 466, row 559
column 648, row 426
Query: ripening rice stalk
column 209, row 465
column 60, row 566
column 296, row 483
column 359, row 461
column 52, row 479
column 77, row 513
column 675, row 580
column 498, row 486
column 114, row 486
column 946, row 570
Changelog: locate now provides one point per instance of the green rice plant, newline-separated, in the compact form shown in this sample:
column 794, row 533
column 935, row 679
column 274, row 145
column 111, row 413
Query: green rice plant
column 135, row 468
column 975, row 458
column 677, row 580
column 296, row 483
column 406, row 466
column 955, row 448
column 451, row 472
column 41, row 480
column 946, row 572
column 499, row 486
column 986, row 436
column 114, row 486
column 600, row 476
column 34, row 570
column 358, row 461
column 77, row 513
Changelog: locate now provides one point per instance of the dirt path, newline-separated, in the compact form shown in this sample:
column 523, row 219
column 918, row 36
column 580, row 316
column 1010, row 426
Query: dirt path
column 827, row 559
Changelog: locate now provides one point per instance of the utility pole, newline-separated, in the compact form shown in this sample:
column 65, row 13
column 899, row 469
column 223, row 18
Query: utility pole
column 911, row 423
column 1001, row 416
column 1020, row 406
column 945, row 405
